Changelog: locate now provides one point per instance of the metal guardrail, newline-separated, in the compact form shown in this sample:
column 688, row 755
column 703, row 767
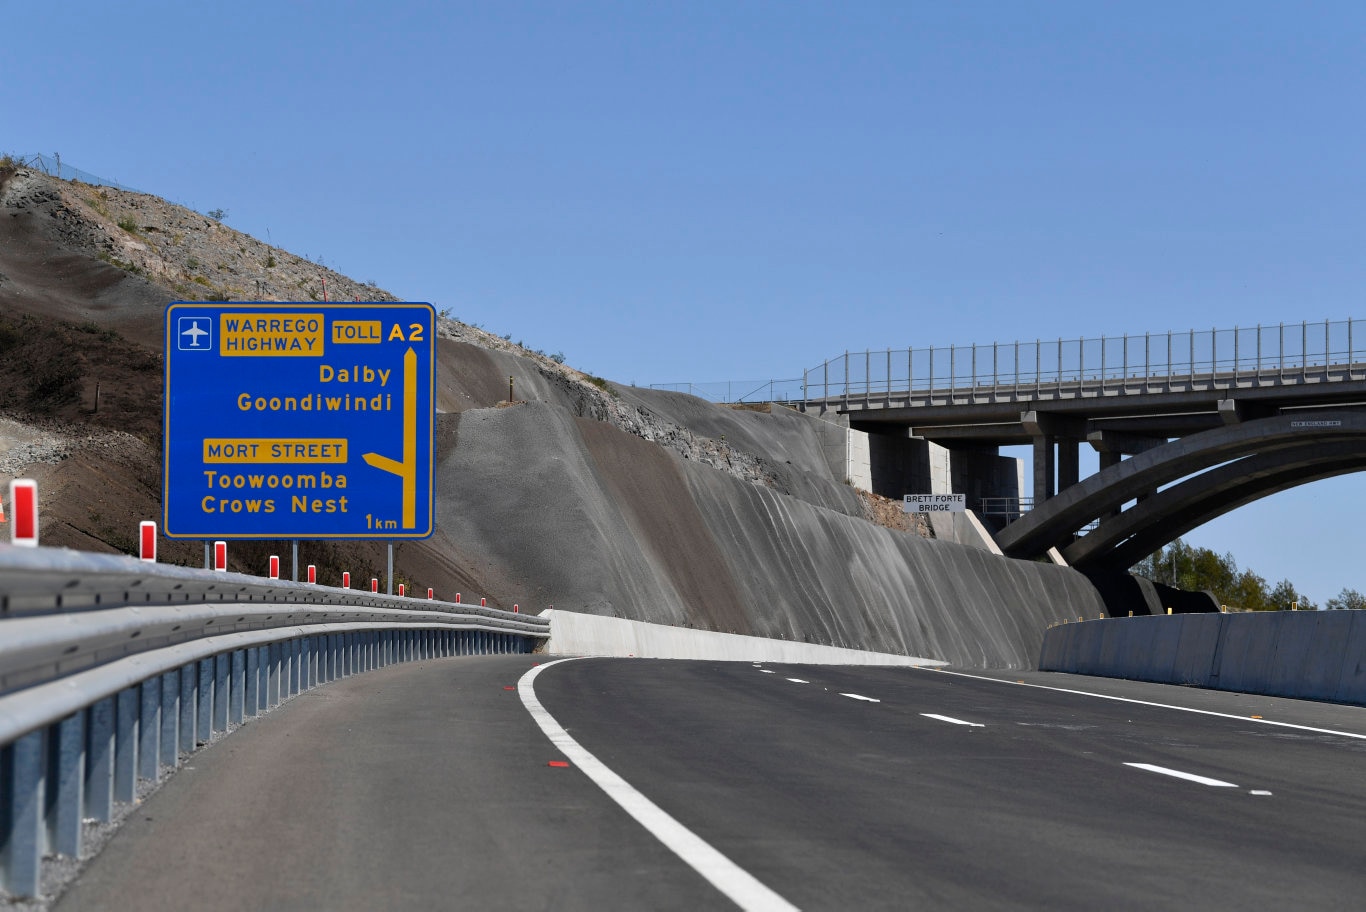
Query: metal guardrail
column 112, row 670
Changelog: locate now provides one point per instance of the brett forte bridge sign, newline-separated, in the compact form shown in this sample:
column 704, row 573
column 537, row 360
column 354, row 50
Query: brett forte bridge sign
column 298, row 420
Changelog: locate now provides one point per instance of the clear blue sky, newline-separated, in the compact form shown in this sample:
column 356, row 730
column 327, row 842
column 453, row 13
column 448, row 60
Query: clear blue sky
column 737, row 190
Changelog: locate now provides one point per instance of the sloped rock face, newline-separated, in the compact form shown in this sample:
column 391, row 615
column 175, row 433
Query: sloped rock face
column 589, row 518
column 561, row 490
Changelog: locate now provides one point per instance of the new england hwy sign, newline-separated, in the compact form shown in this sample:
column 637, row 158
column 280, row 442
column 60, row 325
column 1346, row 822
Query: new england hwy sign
column 298, row 420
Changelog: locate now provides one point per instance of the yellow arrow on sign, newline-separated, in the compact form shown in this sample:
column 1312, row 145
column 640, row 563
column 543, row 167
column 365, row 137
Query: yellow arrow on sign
column 407, row 469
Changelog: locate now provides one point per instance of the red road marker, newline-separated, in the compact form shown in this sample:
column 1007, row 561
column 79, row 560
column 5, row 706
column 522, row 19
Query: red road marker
column 483, row 603
column 516, row 609
column 431, row 593
column 220, row 556
column 312, row 573
column 457, row 598
column 559, row 763
column 274, row 567
column 374, row 584
column 400, row 590
column 346, row 579
column 23, row 497
column 147, row 541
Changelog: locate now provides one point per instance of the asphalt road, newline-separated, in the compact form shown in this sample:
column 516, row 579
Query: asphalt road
column 428, row 786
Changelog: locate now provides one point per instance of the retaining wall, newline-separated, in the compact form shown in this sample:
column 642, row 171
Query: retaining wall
column 1313, row 655
column 572, row 633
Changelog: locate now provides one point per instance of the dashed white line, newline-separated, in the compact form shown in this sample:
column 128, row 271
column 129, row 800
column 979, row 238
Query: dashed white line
column 1256, row 720
column 767, row 672
column 860, row 697
column 1189, row 777
column 952, row 720
column 798, row 681
column 735, row 882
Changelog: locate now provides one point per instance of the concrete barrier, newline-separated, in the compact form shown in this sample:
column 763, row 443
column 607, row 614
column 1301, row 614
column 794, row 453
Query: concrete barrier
column 1315, row 655
column 572, row 633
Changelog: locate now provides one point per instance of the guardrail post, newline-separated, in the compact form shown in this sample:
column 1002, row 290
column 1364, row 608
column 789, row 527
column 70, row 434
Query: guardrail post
column 253, row 682
column 305, row 664
column 237, row 669
column 126, row 744
column 272, row 675
column 170, row 719
column 189, row 703
column 99, row 761
column 67, row 767
column 149, row 728
column 204, row 711
column 22, row 771
column 222, row 692
column 289, row 669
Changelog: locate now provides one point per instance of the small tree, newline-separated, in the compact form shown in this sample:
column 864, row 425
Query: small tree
column 1347, row 598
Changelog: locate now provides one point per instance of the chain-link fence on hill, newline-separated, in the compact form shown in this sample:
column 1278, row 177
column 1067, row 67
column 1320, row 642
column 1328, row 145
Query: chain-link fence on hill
column 53, row 166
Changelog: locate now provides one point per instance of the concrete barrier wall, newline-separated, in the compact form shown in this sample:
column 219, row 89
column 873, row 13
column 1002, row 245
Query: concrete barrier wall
column 1314, row 655
column 572, row 633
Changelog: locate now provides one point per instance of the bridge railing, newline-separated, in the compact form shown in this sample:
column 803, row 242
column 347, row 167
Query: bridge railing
column 1141, row 362
column 112, row 670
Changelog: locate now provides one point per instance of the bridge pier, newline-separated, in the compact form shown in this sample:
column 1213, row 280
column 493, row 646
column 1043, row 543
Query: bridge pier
column 1057, row 451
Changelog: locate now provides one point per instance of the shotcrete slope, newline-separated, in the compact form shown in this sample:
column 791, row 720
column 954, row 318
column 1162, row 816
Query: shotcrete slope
column 592, row 519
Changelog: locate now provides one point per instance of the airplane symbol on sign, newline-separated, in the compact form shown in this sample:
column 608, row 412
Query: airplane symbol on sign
column 194, row 332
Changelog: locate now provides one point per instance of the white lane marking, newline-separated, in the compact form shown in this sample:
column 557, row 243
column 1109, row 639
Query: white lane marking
column 767, row 672
column 953, row 720
column 1259, row 792
column 1201, row 712
column 1189, row 777
column 860, row 697
column 736, row 883
column 798, row 681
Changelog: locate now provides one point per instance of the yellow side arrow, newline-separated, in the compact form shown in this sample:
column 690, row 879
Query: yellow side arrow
column 407, row 469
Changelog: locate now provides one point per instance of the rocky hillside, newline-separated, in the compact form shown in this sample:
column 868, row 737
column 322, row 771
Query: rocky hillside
column 577, row 492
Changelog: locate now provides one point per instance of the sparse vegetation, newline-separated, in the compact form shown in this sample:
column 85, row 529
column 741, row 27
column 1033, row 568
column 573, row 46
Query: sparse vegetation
column 217, row 214
column 558, row 357
column 601, row 384
column 270, row 261
column 128, row 224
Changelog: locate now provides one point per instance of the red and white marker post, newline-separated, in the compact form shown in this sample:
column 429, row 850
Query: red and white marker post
column 312, row 574
column 483, row 603
column 346, row 579
column 147, row 541
column 274, row 567
column 220, row 556
column 23, row 498
column 431, row 593
column 457, row 598
column 374, row 584
column 400, row 590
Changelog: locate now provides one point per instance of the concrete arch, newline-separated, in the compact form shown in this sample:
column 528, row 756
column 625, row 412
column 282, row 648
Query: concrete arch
column 1120, row 542
column 1053, row 522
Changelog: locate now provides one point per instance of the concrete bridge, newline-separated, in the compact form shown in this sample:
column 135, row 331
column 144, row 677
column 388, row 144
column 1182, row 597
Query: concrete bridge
column 1252, row 410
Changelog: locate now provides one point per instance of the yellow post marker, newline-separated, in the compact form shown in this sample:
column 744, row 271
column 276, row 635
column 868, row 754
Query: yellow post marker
column 407, row 468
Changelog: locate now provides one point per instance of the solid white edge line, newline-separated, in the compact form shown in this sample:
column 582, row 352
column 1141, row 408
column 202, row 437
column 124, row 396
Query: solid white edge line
column 1189, row 777
column 1201, row 712
column 953, row 720
column 728, row 877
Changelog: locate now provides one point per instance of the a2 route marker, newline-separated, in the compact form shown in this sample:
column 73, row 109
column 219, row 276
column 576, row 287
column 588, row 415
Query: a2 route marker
column 299, row 420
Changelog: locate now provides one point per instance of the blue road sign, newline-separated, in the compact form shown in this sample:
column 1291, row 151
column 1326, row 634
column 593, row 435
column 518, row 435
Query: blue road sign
column 299, row 420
